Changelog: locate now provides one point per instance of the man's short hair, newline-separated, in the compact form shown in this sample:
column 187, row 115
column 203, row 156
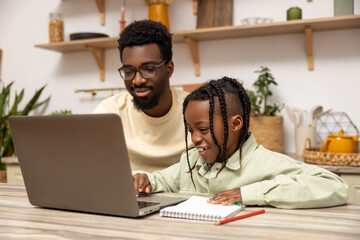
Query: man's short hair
column 144, row 32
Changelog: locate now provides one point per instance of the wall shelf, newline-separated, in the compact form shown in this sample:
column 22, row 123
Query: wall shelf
column 192, row 37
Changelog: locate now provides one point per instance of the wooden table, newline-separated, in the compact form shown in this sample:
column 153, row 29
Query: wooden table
column 20, row 220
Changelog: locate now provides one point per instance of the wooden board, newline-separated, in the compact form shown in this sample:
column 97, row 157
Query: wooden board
column 223, row 15
column 214, row 13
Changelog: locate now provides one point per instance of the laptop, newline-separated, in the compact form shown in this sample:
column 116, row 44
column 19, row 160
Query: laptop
column 79, row 163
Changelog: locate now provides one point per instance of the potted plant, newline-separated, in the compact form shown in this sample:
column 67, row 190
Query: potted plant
column 264, row 124
column 6, row 144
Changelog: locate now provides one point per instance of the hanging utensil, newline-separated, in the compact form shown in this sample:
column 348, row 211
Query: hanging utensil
column 318, row 116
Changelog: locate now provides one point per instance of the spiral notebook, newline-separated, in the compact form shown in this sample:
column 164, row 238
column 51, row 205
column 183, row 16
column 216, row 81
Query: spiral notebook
column 197, row 208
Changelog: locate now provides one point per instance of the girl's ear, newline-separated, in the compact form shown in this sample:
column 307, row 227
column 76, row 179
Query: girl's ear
column 236, row 123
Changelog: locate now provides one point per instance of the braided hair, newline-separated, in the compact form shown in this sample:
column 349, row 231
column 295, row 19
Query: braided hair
column 231, row 99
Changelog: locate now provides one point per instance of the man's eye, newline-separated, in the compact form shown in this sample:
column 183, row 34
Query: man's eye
column 149, row 69
column 128, row 72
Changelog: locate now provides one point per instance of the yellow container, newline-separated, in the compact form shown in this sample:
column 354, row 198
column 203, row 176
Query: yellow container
column 340, row 143
column 158, row 12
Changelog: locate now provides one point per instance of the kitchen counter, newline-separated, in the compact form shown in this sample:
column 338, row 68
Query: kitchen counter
column 334, row 169
column 21, row 220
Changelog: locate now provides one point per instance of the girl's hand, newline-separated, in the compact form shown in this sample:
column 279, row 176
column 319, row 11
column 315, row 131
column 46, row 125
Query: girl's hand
column 227, row 197
column 141, row 184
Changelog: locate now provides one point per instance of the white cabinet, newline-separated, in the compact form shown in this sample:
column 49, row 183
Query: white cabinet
column 353, row 180
column 13, row 174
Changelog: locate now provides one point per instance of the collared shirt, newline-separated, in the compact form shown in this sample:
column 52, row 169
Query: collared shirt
column 264, row 177
column 153, row 142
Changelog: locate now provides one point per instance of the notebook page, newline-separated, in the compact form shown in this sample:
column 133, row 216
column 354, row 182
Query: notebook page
column 198, row 209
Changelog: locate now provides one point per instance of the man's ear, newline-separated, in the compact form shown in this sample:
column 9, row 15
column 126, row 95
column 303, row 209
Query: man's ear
column 170, row 68
column 236, row 123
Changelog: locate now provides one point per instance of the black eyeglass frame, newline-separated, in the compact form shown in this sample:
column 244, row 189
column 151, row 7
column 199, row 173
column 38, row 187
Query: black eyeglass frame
column 139, row 70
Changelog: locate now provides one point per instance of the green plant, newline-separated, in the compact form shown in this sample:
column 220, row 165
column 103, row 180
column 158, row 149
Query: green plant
column 6, row 144
column 61, row 112
column 259, row 96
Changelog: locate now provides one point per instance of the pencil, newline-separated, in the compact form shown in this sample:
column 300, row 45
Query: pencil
column 239, row 217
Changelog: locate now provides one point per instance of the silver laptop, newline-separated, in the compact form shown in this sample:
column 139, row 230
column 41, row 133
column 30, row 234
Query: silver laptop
column 80, row 163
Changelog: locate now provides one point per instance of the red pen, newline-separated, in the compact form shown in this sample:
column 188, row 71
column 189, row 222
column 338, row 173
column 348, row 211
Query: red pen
column 239, row 217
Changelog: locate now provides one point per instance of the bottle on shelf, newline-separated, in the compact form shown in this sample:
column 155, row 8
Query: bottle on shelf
column 56, row 28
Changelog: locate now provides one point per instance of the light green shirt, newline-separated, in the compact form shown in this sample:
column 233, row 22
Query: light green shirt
column 265, row 178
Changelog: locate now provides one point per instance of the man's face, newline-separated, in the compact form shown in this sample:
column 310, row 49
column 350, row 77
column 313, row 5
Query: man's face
column 146, row 91
column 198, row 123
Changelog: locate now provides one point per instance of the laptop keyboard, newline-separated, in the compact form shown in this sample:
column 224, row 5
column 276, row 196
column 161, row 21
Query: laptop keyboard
column 143, row 204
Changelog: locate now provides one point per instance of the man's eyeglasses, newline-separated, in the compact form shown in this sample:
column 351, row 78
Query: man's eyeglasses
column 146, row 71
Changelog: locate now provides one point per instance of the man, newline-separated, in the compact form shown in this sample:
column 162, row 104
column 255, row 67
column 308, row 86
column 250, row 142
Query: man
column 151, row 111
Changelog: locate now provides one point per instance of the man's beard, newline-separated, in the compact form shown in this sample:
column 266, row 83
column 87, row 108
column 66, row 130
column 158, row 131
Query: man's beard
column 153, row 102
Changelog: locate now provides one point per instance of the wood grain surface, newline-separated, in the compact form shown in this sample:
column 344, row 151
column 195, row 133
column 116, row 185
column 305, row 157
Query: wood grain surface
column 214, row 13
column 20, row 220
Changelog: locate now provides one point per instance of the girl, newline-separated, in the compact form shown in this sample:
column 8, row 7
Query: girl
column 227, row 162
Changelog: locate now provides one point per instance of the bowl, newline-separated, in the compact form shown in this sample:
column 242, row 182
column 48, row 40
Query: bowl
column 86, row 35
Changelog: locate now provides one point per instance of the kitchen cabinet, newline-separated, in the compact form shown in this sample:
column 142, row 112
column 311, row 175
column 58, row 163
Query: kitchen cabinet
column 193, row 37
column 353, row 181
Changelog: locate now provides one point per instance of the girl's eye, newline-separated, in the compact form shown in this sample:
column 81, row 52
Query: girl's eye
column 203, row 130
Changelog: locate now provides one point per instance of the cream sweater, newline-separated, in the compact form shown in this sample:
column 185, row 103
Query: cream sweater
column 153, row 143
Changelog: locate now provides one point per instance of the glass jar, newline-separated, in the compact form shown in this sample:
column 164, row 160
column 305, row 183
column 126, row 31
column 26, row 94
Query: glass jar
column 56, row 28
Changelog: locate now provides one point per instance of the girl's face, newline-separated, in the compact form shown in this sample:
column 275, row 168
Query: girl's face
column 198, row 123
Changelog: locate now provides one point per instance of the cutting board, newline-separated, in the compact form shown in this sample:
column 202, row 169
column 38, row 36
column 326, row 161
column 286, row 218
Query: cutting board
column 214, row 13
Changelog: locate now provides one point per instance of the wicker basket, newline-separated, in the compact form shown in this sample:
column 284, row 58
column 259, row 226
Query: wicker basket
column 314, row 155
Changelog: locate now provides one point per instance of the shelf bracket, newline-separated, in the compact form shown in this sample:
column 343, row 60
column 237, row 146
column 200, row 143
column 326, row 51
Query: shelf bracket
column 193, row 46
column 99, row 55
column 309, row 47
column 195, row 7
column 101, row 6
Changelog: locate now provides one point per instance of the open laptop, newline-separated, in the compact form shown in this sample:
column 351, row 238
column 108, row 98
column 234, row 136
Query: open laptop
column 80, row 163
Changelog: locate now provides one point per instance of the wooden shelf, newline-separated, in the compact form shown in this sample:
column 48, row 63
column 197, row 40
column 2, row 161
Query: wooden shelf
column 277, row 28
column 80, row 45
column 192, row 37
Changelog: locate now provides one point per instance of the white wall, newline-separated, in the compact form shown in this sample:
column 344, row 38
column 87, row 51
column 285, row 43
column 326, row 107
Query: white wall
column 334, row 83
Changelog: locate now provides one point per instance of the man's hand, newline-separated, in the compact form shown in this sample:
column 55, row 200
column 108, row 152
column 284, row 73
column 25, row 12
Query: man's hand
column 141, row 184
column 227, row 197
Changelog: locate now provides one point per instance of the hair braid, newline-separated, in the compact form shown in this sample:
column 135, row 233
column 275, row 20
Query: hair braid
column 209, row 89
column 246, row 106
column 186, row 101
column 223, row 108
